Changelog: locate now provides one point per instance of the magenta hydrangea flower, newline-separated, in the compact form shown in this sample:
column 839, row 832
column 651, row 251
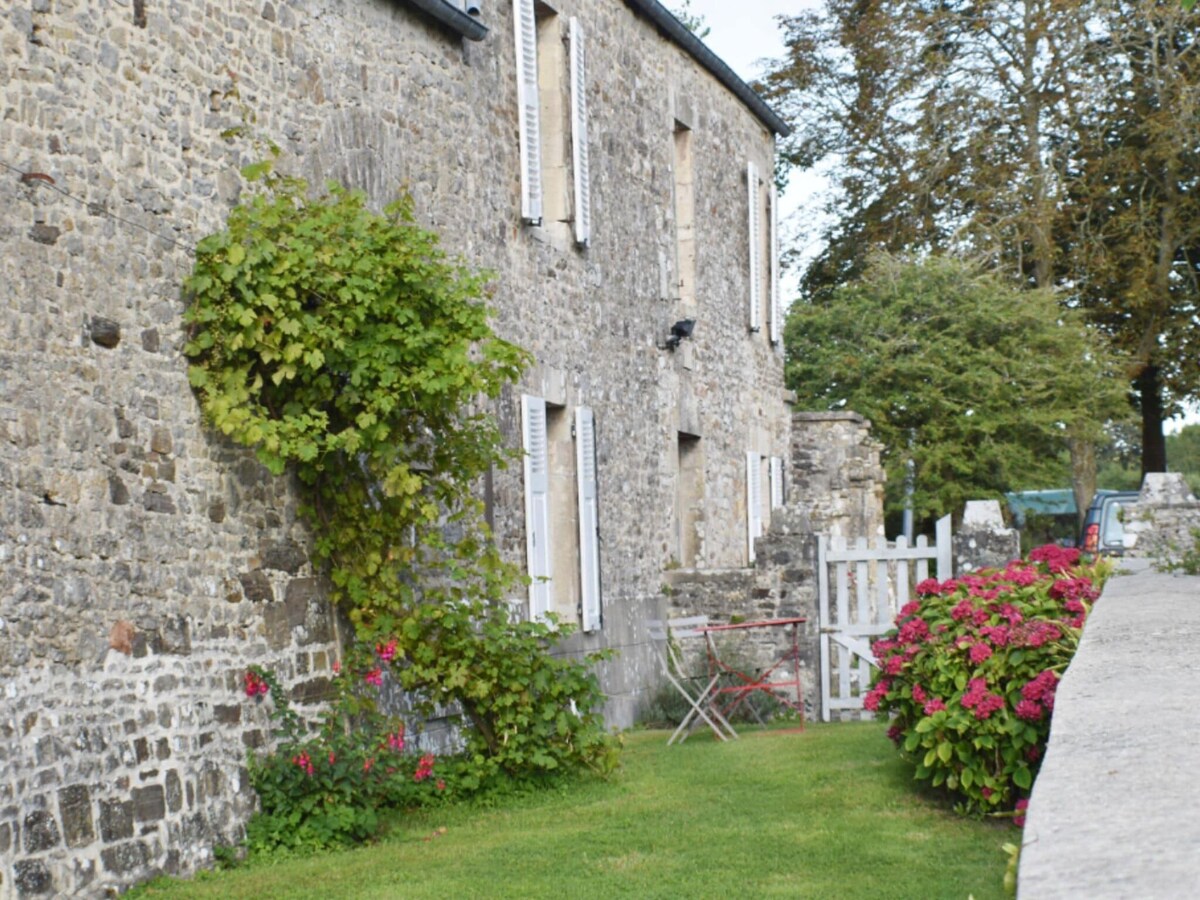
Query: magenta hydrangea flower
column 937, row 703
column 1029, row 710
column 979, row 653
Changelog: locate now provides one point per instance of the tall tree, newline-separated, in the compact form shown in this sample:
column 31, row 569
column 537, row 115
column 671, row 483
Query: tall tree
column 1133, row 204
column 979, row 382
column 958, row 126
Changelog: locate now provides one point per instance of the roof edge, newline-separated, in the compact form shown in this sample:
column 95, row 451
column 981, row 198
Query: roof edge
column 677, row 32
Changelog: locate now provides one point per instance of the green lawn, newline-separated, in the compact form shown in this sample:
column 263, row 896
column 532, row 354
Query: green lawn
column 830, row 812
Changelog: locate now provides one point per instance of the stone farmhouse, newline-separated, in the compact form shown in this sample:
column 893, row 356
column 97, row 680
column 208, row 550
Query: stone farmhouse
column 612, row 172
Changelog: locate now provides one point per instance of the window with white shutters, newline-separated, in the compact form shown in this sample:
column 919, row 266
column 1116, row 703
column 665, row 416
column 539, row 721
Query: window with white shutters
column 528, row 111
column 579, row 137
column 589, row 519
column 537, row 504
column 754, row 231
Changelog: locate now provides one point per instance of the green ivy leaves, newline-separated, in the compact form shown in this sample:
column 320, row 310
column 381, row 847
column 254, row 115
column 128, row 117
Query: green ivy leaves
column 344, row 345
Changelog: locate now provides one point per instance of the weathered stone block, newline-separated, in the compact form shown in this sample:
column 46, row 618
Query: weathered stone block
column 256, row 586
column 286, row 556
column 104, row 332
column 116, row 819
column 75, row 808
column 174, row 791
column 125, row 858
column 32, row 878
column 228, row 714
column 41, row 831
column 149, row 803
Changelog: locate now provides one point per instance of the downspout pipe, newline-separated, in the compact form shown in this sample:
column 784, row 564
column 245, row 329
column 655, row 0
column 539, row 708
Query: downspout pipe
column 673, row 29
column 453, row 17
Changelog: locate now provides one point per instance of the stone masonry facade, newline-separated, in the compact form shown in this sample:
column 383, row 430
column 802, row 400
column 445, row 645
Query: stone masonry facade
column 144, row 561
column 834, row 486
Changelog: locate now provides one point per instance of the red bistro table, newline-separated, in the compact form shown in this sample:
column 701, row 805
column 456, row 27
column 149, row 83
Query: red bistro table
column 741, row 685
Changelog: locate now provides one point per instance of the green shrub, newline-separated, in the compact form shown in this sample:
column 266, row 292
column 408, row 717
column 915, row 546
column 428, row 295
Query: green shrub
column 326, row 788
column 970, row 671
column 347, row 348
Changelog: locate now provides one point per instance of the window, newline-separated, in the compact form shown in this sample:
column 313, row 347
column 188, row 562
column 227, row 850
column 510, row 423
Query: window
column 561, row 512
column 689, row 500
column 685, row 220
column 552, row 116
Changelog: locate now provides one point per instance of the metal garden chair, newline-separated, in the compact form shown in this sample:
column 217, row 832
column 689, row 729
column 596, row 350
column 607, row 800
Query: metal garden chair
column 663, row 637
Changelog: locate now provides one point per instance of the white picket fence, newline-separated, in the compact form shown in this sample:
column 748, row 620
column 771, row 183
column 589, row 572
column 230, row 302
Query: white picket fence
column 869, row 586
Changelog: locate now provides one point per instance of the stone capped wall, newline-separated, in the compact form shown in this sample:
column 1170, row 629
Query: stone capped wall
column 144, row 563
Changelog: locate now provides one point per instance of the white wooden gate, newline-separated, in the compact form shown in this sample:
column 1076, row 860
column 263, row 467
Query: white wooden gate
column 870, row 585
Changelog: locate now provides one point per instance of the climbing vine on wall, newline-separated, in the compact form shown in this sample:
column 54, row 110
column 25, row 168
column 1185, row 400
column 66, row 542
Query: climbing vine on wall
column 344, row 345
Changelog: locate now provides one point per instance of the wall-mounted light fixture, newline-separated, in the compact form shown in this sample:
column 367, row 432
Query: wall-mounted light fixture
column 680, row 330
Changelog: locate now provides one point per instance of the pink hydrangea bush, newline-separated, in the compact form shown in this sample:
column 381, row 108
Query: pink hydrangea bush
column 969, row 673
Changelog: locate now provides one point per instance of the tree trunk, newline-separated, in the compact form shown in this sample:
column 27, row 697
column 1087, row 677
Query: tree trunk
column 1083, row 474
column 1154, row 445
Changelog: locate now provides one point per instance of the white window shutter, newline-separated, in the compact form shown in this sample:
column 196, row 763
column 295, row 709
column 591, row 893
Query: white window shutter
column 776, row 482
column 537, row 504
column 579, row 137
column 528, row 110
column 776, row 315
column 753, row 502
column 589, row 517
column 754, row 227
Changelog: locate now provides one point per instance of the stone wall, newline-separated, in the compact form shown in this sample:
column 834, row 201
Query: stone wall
column 1160, row 525
column 834, row 486
column 982, row 541
column 143, row 561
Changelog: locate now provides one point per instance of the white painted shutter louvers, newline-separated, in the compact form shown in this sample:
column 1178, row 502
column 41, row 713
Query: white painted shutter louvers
column 754, row 229
column 579, row 137
column 776, row 314
column 776, row 482
column 753, row 502
column 537, row 504
column 589, row 518
column 528, row 110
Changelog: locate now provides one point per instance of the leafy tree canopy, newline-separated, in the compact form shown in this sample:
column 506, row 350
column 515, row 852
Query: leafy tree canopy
column 980, row 383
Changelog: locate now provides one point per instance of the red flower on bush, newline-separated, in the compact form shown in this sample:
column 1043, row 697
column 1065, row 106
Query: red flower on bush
column 374, row 677
column 1029, row 710
column 386, row 652
column 914, row 631
column 1019, row 818
column 965, row 609
column 255, row 685
column 910, row 609
column 424, row 767
column 1056, row 558
column 979, row 653
column 971, row 645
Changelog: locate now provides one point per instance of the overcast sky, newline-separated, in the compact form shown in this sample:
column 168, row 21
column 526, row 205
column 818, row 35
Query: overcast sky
column 743, row 31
